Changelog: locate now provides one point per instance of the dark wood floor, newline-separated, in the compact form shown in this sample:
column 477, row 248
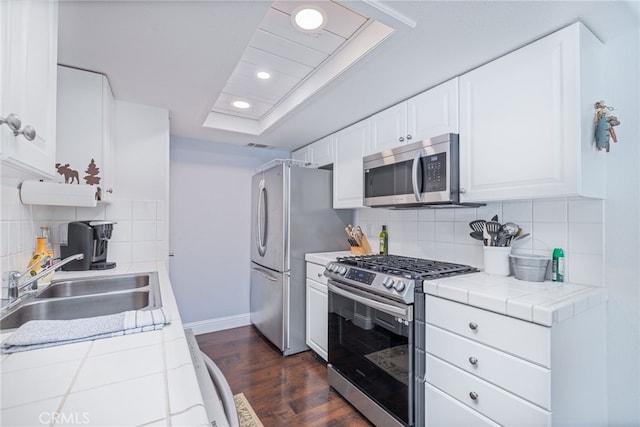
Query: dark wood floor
column 283, row 391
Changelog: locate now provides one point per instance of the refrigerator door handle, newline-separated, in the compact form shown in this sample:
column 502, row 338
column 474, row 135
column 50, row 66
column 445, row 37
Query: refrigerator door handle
column 261, row 242
column 265, row 274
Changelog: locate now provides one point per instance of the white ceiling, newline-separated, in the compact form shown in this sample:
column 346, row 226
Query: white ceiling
column 179, row 55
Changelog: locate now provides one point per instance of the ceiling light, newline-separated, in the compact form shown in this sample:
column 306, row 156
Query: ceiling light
column 263, row 75
column 243, row 105
column 308, row 18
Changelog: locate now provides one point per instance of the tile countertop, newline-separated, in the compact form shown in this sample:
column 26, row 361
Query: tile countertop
column 325, row 258
column 140, row 379
column 545, row 303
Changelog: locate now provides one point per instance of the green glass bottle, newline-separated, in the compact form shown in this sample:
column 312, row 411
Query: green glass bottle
column 384, row 241
column 557, row 265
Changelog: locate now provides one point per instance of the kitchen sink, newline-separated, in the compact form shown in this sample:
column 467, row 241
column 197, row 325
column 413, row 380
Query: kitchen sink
column 97, row 285
column 80, row 298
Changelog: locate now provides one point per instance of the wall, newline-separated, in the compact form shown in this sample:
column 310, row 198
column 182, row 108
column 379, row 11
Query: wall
column 209, row 233
column 140, row 199
column 622, row 231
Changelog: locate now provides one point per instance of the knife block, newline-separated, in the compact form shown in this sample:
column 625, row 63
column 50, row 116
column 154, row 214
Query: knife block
column 363, row 249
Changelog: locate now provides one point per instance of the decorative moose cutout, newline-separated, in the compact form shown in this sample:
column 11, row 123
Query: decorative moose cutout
column 69, row 174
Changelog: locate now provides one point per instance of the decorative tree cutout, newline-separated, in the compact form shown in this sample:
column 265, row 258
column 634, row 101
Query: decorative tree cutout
column 93, row 171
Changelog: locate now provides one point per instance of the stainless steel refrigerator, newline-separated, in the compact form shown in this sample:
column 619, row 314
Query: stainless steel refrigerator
column 291, row 215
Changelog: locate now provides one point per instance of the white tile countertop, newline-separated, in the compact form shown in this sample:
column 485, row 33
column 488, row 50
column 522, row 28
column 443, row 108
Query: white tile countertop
column 133, row 380
column 546, row 303
column 325, row 258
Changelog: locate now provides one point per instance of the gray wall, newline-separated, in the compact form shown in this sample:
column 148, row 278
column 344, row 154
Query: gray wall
column 210, row 186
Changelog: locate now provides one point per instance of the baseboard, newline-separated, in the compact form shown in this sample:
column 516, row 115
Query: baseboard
column 219, row 324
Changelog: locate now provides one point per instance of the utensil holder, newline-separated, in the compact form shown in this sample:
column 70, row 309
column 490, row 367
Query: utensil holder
column 363, row 249
column 496, row 260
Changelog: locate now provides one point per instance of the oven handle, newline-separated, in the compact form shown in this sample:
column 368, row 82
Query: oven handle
column 387, row 308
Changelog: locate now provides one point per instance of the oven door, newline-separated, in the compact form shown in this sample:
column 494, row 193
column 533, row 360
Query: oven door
column 371, row 345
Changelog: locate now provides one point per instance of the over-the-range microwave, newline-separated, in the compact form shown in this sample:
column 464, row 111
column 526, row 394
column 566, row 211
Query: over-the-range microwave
column 421, row 174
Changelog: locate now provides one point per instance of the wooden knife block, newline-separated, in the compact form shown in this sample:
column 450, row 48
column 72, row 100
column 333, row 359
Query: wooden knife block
column 363, row 249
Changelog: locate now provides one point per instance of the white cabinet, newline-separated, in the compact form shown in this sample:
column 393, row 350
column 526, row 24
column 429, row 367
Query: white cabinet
column 317, row 309
column 351, row 144
column 29, row 49
column 85, row 147
column 526, row 121
column 431, row 113
column 320, row 152
column 491, row 368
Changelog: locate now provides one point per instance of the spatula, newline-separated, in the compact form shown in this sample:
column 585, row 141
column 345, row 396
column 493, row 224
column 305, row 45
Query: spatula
column 493, row 228
column 477, row 225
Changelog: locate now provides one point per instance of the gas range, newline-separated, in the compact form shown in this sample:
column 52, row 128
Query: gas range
column 391, row 276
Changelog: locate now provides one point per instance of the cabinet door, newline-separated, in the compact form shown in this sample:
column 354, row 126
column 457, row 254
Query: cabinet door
column 520, row 122
column 389, row 128
column 322, row 151
column 350, row 145
column 434, row 112
column 84, row 112
column 28, row 42
column 303, row 154
column 317, row 317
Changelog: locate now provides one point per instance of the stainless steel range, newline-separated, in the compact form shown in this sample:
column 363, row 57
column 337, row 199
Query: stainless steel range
column 372, row 350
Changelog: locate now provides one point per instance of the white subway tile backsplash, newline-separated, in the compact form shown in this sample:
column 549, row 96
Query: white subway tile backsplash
column 585, row 239
column 427, row 231
column 444, row 232
column 144, row 231
column 586, row 211
column 547, row 236
column 91, row 214
column 143, row 251
column 444, row 215
column 11, row 207
column 64, row 213
column 487, row 211
column 143, row 210
column 518, row 212
column 461, row 232
column 584, row 269
column 120, row 252
column 427, row 215
column 122, row 231
column 445, row 251
column 119, row 210
column 465, row 215
column 550, row 211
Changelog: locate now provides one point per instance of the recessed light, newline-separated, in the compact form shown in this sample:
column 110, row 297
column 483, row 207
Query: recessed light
column 263, row 75
column 243, row 105
column 308, row 18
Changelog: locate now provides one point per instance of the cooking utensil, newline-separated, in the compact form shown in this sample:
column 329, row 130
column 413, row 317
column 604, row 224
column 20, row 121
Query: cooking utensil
column 477, row 225
column 494, row 218
column 506, row 232
column 492, row 228
column 486, row 236
column 477, row 235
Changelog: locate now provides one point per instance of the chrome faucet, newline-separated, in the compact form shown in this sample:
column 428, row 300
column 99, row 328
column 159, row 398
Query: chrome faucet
column 12, row 278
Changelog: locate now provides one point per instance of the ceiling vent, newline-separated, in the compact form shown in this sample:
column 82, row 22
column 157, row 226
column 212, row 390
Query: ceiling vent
column 251, row 144
column 284, row 65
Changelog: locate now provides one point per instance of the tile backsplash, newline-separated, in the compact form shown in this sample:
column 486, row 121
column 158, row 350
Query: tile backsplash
column 140, row 234
column 574, row 224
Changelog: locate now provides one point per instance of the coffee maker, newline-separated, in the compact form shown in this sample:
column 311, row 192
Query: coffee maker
column 91, row 239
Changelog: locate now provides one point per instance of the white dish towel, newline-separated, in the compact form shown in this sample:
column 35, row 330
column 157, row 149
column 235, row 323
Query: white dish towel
column 48, row 333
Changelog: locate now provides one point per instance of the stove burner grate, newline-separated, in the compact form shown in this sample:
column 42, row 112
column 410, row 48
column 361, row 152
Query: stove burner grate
column 410, row 268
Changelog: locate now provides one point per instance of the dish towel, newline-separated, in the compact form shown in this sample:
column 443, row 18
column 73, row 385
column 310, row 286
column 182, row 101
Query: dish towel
column 48, row 333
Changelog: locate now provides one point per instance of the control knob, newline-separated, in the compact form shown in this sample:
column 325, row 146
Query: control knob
column 399, row 286
column 342, row 270
column 387, row 282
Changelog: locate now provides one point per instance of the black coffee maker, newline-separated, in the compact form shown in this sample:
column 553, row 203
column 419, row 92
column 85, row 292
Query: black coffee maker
column 91, row 239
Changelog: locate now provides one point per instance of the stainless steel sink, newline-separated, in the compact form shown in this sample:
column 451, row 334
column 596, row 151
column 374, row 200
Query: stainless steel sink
column 80, row 298
column 97, row 285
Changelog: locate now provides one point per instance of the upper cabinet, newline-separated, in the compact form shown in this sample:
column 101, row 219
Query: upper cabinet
column 84, row 152
column 526, row 121
column 431, row 113
column 351, row 144
column 29, row 46
column 320, row 152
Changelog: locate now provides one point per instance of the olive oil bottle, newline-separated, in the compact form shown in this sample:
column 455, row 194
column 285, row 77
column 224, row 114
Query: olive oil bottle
column 384, row 241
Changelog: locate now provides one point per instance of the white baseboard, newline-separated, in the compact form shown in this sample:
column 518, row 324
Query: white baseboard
column 219, row 324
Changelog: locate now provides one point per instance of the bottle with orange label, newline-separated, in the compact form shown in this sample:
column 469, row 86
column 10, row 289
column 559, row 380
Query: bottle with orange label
column 43, row 251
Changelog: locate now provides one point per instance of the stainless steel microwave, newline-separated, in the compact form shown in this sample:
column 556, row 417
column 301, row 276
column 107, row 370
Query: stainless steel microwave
column 421, row 174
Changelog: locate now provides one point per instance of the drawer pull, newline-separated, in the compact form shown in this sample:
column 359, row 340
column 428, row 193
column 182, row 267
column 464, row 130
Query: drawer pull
column 473, row 326
column 319, row 274
column 473, row 395
column 473, row 360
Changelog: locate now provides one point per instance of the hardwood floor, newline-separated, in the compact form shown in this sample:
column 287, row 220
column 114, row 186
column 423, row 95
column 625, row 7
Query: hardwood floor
column 283, row 391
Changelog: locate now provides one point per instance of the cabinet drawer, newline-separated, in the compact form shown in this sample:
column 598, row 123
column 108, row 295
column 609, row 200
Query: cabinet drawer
column 443, row 410
column 315, row 272
column 491, row 401
column 527, row 380
column 519, row 338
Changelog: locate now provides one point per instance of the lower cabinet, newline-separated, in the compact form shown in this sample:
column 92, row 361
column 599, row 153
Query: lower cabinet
column 317, row 309
column 485, row 368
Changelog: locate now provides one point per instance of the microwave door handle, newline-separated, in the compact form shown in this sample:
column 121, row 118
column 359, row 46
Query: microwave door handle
column 414, row 177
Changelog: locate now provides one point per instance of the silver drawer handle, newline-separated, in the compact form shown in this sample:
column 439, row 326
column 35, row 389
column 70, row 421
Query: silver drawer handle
column 473, row 395
column 473, row 326
column 473, row 360
column 319, row 274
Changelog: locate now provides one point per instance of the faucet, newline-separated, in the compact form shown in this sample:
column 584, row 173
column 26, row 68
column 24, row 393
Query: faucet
column 13, row 277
